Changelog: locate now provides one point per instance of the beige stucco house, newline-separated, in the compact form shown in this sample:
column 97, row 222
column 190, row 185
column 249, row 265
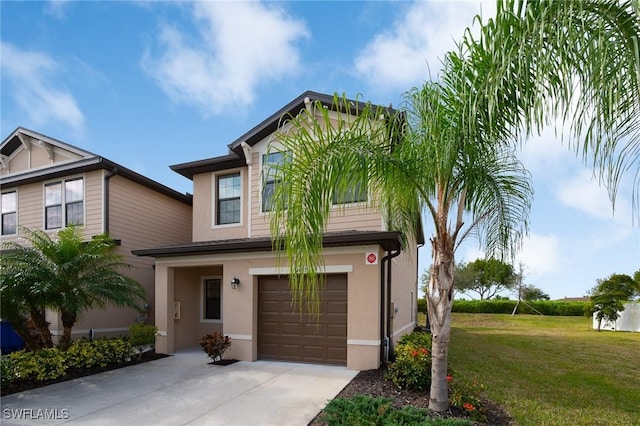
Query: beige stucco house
column 48, row 184
column 228, row 279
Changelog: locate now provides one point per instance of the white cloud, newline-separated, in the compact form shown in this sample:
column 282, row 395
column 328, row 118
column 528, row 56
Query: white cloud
column 56, row 8
column 584, row 193
column 414, row 47
column 30, row 76
column 540, row 254
column 238, row 46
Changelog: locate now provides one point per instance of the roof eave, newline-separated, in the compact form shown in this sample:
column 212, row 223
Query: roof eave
column 388, row 240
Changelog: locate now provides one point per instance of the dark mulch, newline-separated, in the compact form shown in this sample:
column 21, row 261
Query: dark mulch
column 223, row 362
column 372, row 383
column 75, row 373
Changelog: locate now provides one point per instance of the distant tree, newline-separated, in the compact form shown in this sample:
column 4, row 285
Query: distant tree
column 608, row 296
column 486, row 277
column 67, row 274
column 531, row 292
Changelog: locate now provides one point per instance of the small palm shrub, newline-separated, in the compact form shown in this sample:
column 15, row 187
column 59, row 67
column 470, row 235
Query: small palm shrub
column 215, row 344
column 412, row 367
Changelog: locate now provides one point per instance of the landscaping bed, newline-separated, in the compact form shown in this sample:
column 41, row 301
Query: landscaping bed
column 372, row 383
column 75, row 373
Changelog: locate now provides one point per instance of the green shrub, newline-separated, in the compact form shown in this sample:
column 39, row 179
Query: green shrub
column 466, row 395
column 366, row 410
column 417, row 338
column 7, row 370
column 101, row 352
column 53, row 363
column 142, row 335
column 412, row 367
column 545, row 307
column 45, row 364
column 422, row 304
column 215, row 344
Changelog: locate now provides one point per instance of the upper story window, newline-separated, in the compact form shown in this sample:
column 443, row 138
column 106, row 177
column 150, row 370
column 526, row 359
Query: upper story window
column 269, row 177
column 228, row 199
column 64, row 203
column 354, row 194
column 9, row 212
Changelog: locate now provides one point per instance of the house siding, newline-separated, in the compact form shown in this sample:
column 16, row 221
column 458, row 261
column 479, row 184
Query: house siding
column 140, row 217
column 31, row 204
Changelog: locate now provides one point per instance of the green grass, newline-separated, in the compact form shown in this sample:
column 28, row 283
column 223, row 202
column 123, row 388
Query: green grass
column 550, row 370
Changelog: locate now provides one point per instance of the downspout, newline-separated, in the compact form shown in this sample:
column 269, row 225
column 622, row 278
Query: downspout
column 389, row 313
column 385, row 307
column 109, row 175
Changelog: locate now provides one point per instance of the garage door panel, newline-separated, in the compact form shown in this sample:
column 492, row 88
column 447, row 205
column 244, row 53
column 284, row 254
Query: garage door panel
column 336, row 331
column 284, row 334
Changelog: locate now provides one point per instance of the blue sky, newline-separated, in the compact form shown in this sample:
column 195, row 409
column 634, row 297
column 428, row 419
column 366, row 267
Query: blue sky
column 151, row 84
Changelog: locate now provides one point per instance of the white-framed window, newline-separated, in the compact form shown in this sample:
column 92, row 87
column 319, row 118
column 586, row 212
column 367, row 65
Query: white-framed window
column 64, row 203
column 228, row 199
column 270, row 178
column 211, row 299
column 9, row 209
column 357, row 193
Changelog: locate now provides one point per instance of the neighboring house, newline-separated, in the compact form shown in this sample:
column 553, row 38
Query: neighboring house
column 229, row 280
column 48, row 184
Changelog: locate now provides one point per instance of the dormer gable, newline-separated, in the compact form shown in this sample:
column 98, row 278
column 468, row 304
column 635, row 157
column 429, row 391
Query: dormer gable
column 25, row 150
column 240, row 150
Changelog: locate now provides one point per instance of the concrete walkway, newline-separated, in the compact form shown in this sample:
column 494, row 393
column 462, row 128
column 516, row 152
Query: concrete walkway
column 183, row 390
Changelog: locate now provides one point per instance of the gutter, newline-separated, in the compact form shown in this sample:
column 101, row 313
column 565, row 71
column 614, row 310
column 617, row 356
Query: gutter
column 108, row 176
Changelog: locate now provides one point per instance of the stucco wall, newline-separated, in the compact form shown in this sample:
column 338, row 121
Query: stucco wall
column 175, row 278
column 204, row 198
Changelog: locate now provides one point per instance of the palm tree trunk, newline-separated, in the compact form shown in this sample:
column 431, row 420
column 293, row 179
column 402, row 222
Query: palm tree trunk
column 42, row 328
column 68, row 321
column 439, row 297
column 28, row 333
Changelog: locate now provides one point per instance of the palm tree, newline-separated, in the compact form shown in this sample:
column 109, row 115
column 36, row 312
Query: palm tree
column 432, row 162
column 536, row 62
column 573, row 62
column 23, row 306
column 67, row 274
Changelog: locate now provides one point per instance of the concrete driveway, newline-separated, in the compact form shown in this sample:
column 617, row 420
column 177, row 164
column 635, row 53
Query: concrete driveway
column 183, row 390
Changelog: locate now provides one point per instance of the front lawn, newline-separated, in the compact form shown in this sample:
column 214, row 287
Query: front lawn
column 550, row 370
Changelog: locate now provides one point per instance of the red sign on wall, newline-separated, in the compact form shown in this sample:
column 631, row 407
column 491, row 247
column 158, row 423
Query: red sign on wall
column 371, row 258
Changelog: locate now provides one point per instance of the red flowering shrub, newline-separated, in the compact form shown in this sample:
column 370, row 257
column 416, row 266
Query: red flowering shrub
column 467, row 396
column 215, row 345
column 412, row 367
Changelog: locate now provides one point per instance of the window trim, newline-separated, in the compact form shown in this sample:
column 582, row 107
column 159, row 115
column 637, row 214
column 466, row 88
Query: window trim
column 203, row 289
column 215, row 200
column 63, row 203
column 264, row 181
column 335, row 203
column 15, row 212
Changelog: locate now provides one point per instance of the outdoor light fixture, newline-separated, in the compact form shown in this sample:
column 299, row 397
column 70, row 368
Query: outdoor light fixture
column 235, row 282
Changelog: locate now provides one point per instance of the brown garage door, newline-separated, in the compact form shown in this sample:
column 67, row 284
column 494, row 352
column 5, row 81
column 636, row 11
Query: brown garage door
column 285, row 335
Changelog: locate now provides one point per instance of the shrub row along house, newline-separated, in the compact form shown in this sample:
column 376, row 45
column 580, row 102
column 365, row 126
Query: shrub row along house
column 210, row 266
